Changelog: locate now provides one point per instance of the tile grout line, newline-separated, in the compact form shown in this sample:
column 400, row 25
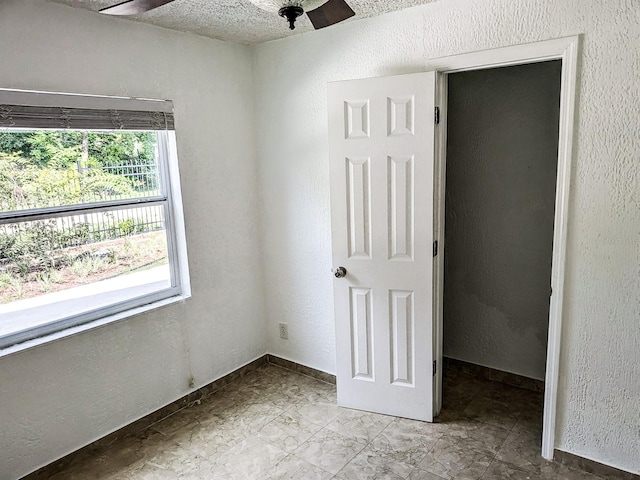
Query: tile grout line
column 495, row 456
column 352, row 458
column 367, row 444
column 291, row 408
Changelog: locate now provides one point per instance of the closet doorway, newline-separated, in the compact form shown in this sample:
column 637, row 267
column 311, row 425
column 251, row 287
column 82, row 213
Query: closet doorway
column 500, row 195
column 559, row 53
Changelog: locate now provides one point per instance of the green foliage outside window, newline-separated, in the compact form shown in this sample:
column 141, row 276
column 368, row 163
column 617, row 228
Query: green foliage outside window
column 56, row 148
column 51, row 168
column 25, row 185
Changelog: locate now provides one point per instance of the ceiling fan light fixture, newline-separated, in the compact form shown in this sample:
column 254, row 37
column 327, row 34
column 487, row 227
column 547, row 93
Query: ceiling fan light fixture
column 321, row 13
column 289, row 9
column 291, row 14
column 276, row 5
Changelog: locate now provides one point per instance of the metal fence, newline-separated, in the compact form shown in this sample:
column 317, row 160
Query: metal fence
column 146, row 176
column 74, row 231
column 109, row 225
column 120, row 223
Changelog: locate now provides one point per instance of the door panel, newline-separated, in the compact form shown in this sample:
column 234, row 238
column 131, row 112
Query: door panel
column 382, row 164
column 361, row 334
column 358, row 208
column 401, row 193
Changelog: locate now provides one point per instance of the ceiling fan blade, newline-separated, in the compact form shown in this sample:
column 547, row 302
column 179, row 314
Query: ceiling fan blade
column 134, row 7
column 334, row 11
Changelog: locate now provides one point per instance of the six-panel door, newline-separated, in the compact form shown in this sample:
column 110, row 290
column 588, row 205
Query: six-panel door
column 381, row 136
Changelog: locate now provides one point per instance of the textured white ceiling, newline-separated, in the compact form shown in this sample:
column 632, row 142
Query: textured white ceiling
column 237, row 21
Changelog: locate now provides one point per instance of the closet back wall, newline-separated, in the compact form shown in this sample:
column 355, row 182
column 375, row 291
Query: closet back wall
column 502, row 147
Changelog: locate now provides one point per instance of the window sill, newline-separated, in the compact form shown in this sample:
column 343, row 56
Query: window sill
column 101, row 322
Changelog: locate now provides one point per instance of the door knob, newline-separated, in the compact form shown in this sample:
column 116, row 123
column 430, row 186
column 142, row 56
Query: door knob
column 340, row 272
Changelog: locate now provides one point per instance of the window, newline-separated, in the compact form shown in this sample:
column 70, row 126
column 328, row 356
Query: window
column 90, row 211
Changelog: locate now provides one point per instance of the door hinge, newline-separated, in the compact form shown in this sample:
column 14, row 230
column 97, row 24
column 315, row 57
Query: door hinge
column 435, row 248
column 437, row 116
column 435, row 367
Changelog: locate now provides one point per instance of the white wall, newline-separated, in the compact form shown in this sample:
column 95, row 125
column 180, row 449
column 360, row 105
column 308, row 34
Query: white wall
column 600, row 366
column 59, row 397
column 502, row 154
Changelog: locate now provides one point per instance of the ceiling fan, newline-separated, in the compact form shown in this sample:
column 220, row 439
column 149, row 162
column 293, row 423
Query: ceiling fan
column 322, row 13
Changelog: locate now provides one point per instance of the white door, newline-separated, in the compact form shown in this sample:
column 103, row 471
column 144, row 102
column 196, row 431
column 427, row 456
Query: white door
column 381, row 136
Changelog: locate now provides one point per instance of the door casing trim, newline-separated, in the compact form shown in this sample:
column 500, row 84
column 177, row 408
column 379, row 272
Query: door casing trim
column 565, row 49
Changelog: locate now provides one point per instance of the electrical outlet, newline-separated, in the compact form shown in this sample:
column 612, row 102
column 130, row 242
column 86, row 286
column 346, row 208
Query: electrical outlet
column 284, row 331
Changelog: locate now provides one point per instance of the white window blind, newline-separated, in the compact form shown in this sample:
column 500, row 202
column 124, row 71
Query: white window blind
column 20, row 109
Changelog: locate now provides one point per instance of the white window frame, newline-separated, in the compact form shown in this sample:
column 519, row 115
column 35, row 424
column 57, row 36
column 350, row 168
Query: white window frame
column 170, row 199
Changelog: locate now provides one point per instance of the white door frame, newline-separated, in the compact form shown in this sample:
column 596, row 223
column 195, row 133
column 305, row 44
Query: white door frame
column 565, row 49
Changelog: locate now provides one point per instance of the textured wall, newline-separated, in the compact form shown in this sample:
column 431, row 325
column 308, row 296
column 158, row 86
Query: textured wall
column 502, row 151
column 58, row 397
column 599, row 400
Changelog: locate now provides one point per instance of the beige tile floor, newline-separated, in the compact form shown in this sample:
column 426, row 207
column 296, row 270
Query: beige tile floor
column 277, row 424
